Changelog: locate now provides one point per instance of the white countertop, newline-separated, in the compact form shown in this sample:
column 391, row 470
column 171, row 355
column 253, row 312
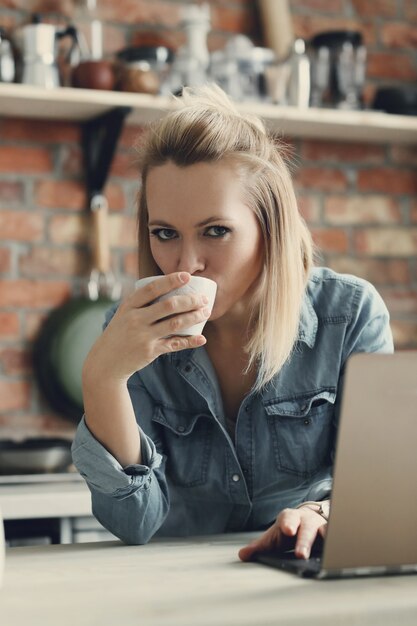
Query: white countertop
column 66, row 498
column 191, row 582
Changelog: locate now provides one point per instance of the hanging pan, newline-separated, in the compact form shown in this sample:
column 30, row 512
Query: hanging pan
column 70, row 331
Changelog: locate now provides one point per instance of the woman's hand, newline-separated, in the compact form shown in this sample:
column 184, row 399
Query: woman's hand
column 139, row 331
column 302, row 526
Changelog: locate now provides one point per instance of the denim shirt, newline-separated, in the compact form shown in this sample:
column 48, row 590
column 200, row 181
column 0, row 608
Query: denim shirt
column 197, row 479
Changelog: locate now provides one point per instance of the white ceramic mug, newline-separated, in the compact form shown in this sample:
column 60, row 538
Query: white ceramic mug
column 196, row 284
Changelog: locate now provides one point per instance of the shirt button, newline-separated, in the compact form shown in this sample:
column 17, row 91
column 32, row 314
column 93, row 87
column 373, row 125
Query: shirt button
column 188, row 368
column 235, row 478
column 181, row 429
column 306, row 422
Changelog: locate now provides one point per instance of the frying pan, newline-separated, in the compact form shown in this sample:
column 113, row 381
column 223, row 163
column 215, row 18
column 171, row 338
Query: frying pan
column 69, row 332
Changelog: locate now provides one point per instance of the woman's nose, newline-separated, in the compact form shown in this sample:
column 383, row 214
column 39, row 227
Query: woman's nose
column 190, row 260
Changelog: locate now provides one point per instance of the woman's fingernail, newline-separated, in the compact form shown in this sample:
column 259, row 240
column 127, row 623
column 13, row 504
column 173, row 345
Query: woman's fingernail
column 183, row 277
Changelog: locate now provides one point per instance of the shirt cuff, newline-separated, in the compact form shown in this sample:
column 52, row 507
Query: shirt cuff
column 103, row 472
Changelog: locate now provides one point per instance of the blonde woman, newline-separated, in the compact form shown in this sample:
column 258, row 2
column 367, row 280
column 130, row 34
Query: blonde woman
column 234, row 429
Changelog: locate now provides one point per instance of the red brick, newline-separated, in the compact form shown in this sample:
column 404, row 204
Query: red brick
column 42, row 131
column 391, row 65
column 64, row 7
column 24, row 159
column 376, row 8
column 387, row 180
column 354, row 209
column 410, row 10
column 14, row 395
column 131, row 136
column 124, row 165
column 377, row 271
column 321, row 179
column 317, row 6
column 405, row 334
column 330, row 239
column 400, row 302
column 15, row 361
column 130, row 264
column 33, row 321
column 115, row 197
column 9, row 325
column 143, row 12
column 47, row 261
column 33, row 293
column 399, row 35
column 10, row 192
column 72, row 163
column 404, row 155
column 341, row 152
column 157, row 37
column 61, row 194
column 5, row 260
column 413, row 211
column 387, row 242
column 69, row 229
column 20, row 226
column 123, row 231
column 231, row 19
column 309, row 207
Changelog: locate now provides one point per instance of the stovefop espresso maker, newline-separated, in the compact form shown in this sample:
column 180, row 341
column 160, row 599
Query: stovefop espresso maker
column 38, row 46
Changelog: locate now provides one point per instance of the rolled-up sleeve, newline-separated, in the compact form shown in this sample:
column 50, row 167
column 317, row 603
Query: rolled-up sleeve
column 132, row 502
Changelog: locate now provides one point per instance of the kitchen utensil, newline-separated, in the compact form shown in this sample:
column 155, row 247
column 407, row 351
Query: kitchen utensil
column 37, row 43
column 277, row 26
column 340, row 58
column 399, row 100
column 143, row 69
column 299, row 81
column 94, row 75
column 70, row 331
column 240, row 69
column 7, row 63
column 34, row 455
column 191, row 64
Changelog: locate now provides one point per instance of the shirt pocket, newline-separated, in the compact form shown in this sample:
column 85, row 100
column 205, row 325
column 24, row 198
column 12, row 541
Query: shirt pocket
column 301, row 431
column 187, row 441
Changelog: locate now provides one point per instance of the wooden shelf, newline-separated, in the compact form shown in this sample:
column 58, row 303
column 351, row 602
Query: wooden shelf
column 83, row 104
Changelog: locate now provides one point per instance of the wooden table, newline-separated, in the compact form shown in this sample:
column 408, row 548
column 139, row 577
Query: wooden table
column 190, row 582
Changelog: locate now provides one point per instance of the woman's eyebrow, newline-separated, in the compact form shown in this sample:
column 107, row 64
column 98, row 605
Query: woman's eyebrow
column 203, row 223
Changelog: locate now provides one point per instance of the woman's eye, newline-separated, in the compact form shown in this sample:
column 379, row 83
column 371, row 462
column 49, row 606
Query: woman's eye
column 163, row 234
column 217, row 231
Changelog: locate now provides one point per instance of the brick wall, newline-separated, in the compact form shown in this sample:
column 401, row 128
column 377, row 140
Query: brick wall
column 360, row 200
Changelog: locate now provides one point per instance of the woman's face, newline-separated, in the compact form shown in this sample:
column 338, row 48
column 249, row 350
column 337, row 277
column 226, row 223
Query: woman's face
column 199, row 223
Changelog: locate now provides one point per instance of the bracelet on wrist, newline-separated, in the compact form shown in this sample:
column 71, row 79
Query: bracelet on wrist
column 318, row 508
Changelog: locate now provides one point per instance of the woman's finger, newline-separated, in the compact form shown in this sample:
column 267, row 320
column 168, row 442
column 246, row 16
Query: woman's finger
column 307, row 534
column 286, row 525
column 143, row 296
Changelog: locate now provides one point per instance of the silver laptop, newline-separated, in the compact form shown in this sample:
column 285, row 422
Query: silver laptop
column 372, row 526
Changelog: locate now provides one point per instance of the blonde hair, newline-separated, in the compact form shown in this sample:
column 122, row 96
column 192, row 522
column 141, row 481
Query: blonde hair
column 207, row 127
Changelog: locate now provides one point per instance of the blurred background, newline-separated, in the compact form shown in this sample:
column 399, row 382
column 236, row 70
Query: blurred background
column 359, row 198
